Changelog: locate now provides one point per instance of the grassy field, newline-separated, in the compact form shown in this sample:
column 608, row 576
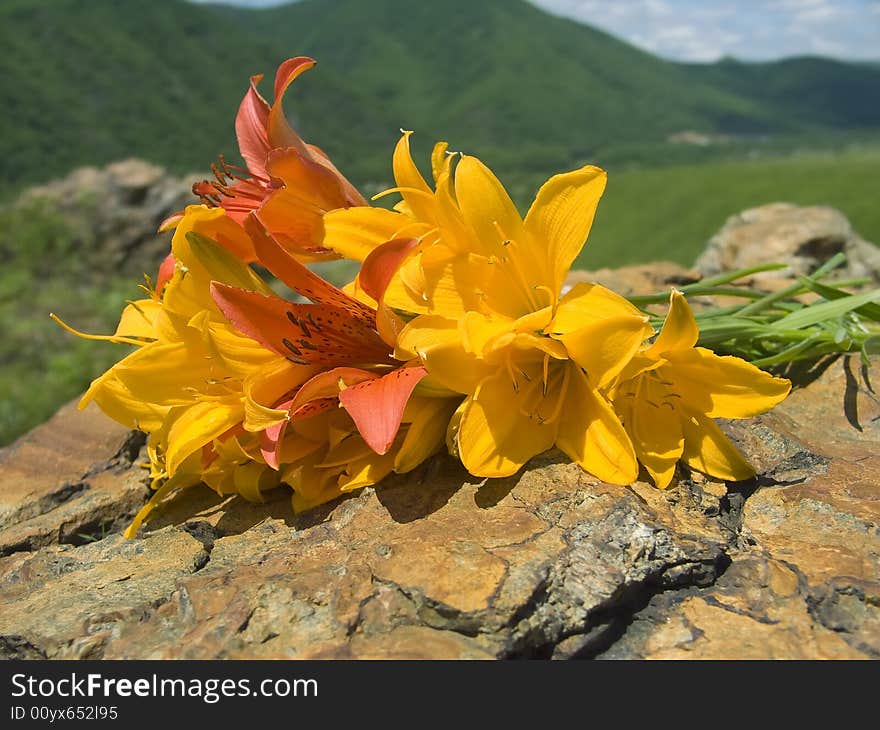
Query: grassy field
column 649, row 214
column 670, row 213
column 82, row 83
column 47, row 269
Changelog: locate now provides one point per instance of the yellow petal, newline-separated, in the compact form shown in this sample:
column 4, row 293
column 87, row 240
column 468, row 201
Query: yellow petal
column 485, row 206
column 437, row 342
column 562, row 214
column 166, row 374
column 370, row 470
column 655, row 429
column 591, row 434
column 412, row 185
column 723, row 387
column 428, row 419
column 347, row 450
column 121, row 405
column 477, row 329
column 440, row 161
column 250, row 480
column 258, row 417
column 353, row 233
column 221, row 265
column 587, row 303
column 264, row 388
column 138, row 319
column 708, row 450
column 238, row 354
column 495, row 438
column 312, row 486
column 423, row 332
column 197, row 425
column 441, row 283
column 605, row 347
column 533, row 347
column 216, row 225
column 680, row 331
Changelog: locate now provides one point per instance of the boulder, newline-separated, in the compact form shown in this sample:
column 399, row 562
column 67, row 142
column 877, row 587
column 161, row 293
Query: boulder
column 803, row 237
column 550, row 563
column 117, row 210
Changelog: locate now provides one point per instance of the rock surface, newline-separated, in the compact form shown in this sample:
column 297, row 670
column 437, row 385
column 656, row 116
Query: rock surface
column 803, row 237
column 550, row 563
column 436, row 564
column 120, row 206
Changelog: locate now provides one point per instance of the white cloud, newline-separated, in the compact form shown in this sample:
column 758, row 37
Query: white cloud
column 693, row 30
column 697, row 30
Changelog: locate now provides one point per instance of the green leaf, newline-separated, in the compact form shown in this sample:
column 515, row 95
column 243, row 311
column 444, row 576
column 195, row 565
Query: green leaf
column 816, row 313
column 870, row 310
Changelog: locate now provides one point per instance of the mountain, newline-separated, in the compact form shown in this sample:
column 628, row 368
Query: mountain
column 89, row 81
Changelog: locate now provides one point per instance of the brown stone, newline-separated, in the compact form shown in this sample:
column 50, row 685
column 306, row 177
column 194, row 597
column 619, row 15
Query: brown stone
column 802, row 237
column 550, row 563
column 756, row 610
column 68, row 480
column 438, row 564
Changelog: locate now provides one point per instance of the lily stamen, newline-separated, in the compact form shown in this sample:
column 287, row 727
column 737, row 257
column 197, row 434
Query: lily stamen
column 118, row 339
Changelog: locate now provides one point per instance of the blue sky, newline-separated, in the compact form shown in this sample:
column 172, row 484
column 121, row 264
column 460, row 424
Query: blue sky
column 700, row 30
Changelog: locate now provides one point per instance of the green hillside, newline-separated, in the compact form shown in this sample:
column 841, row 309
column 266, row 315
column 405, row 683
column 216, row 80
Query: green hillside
column 670, row 213
column 90, row 81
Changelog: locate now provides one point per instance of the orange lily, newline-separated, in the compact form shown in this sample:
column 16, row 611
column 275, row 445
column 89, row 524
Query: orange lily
column 335, row 331
column 288, row 183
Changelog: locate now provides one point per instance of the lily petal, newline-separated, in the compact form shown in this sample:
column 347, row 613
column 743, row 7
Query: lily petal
column 587, row 303
column 138, row 319
column 656, row 432
column 591, row 434
column 410, row 183
column 198, row 425
column 485, row 206
column 562, row 215
column 354, row 233
column 301, row 279
column 724, row 387
column 680, row 331
column 438, row 343
column 439, row 281
column 222, row 265
column 279, row 132
column 428, row 419
column 166, row 271
column 708, row 450
column 251, row 128
column 162, row 374
column 376, row 273
column 376, row 406
column 605, row 347
column 382, row 264
column 118, row 402
column 495, row 439
column 306, row 334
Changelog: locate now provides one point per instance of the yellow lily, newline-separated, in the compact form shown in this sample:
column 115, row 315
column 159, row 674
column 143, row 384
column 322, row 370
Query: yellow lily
column 486, row 285
column 670, row 392
column 187, row 383
column 333, row 457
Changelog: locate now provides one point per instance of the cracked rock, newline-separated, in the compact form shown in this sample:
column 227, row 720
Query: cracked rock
column 550, row 563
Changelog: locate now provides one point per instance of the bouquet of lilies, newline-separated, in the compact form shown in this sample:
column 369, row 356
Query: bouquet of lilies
column 456, row 334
